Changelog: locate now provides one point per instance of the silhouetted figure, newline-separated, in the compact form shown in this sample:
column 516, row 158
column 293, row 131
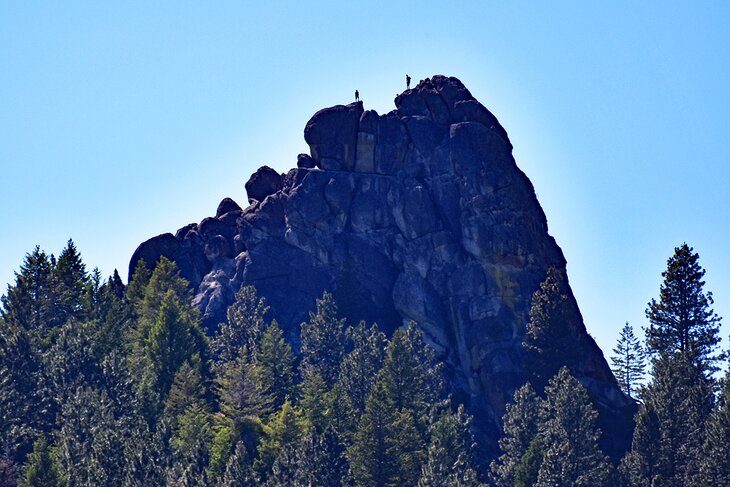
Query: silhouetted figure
column 408, row 82
column 357, row 95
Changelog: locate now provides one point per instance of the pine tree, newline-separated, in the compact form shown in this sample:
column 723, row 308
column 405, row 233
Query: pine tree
column 370, row 461
column 113, row 313
column 90, row 437
column 12, row 411
column 521, row 422
column 549, row 339
column 317, row 459
column 245, row 327
column 715, row 463
column 669, row 437
column 629, row 361
column 8, row 470
column 323, row 340
column 238, row 470
column 70, row 363
column 42, row 468
column 173, row 339
column 69, row 280
column 314, row 399
column 321, row 461
column 360, row 367
column 640, row 465
column 25, row 404
column 682, row 320
column 569, row 437
column 187, row 390
column 147, row 455
column 408, row 448
column 164, row 279
column 222, row 446
column 275, row 365
column 242, row 397
column 410, row 375
column 450, row 452
column 192, row 435
column 28, row 303
column 138, row 283
column 284, row 429
column 528, row 469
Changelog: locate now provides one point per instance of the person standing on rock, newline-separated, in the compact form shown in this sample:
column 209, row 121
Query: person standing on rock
column 357, row 95
column 408, row 82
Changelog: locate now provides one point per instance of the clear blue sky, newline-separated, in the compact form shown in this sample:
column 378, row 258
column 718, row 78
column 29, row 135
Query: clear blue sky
column 123, row 120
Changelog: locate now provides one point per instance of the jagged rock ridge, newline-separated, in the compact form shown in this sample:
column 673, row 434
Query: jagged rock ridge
column 419, row 214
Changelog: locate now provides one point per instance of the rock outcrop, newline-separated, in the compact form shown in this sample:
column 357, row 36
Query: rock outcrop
column 419, row 214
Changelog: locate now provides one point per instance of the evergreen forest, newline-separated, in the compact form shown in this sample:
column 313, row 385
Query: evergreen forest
column 107, row 384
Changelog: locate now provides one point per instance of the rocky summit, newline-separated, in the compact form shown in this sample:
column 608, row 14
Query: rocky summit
column 419, row 214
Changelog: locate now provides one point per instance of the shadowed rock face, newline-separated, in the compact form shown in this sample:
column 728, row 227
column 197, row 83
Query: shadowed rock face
column 420, row 214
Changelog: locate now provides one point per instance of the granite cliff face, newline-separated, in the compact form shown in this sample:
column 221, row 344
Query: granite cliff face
column 419, row 214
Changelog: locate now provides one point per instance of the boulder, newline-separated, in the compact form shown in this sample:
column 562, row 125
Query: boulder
column 264, row 182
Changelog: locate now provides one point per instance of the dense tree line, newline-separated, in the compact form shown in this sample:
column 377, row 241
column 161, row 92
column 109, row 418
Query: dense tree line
column 107, row 384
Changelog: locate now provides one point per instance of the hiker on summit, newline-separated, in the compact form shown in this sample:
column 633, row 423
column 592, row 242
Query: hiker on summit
column 357, row 95
column 408, row 82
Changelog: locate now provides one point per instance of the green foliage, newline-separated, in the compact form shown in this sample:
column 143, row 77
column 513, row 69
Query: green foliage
column 669, row 435
column 192, row 435
column 28, row 303
column 187, row 390
column 521, row 423
column 682, row 322
column 370, row 461
column 284, row 429
column 174, row 338
column 243, row 398
column 275, row 365
column 408, row 448
column 526, row 472
column 629, row 361
column 410, row 375
column 238, row 470
column 360, row 367
column 317, row 459
column 314, row 399
column 323, row 340
column 450, row 452
column 165, row 279
column 89, row 438
column 113, row 315
column 550, row 339
column 120, row 378
column 715, row 456
column 69, row 281
column 221, row 449
column 569, row 437
column 138, row 284
column 42, row 468
column 148, row 455
column 245, row 327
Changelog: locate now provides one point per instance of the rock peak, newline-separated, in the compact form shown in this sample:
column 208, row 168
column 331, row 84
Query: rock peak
column 418, row 214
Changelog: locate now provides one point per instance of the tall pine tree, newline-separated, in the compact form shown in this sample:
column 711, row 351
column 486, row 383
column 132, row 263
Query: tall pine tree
column 521, row 422
column 569, row 437
column 549, row 339
column 629, row 361
column 323, row 340
column 682, row 320
column 715, row 463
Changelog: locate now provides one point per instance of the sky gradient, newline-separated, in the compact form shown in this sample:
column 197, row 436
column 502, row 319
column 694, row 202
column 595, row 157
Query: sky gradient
column 120, row 121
